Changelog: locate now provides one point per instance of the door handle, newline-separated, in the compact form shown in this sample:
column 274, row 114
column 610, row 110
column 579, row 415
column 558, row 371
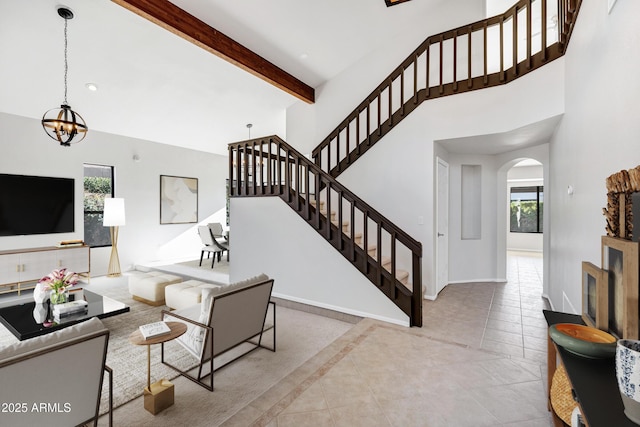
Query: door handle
column 440, row 235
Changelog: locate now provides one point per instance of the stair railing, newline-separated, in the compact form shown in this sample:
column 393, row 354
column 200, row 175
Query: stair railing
column 487, row 53
column 270, row 167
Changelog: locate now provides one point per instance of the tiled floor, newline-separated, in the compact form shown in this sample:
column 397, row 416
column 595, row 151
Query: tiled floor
column 479, row 360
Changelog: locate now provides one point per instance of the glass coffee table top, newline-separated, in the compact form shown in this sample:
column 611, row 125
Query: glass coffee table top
column 27, row 321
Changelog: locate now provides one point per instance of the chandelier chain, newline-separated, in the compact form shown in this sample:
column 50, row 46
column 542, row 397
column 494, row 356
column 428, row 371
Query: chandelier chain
column 66, row 66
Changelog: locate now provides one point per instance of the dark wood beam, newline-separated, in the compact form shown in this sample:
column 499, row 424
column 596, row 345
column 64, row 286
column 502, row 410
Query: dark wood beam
column 172, row 18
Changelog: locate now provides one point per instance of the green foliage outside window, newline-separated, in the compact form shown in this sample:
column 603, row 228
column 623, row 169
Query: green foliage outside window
column 98, row 184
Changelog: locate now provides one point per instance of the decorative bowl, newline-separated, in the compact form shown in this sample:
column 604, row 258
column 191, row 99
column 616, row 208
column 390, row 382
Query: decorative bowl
column 583, row 340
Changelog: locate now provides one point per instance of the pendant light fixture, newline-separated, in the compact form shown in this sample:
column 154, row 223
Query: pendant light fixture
column 63, row 124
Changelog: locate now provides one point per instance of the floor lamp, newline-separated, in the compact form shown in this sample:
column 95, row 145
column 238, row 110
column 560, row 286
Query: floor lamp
column 114, row 217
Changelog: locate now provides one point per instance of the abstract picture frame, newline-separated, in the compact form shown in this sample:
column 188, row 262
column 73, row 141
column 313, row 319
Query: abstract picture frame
column 595, row 309
column 620, row 259
column 178, row 200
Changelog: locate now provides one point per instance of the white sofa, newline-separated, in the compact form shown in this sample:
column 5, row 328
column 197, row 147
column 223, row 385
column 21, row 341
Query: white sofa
column 55, row 379
column 225, row 318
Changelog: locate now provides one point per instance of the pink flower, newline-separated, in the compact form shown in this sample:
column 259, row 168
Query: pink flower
column 59, row 280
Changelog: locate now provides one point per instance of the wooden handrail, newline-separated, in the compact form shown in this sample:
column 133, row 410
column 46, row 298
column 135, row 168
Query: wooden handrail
column 333, row 156
column 270, row 167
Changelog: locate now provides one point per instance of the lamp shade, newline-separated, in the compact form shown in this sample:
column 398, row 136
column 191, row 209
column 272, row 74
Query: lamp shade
column 113, row 212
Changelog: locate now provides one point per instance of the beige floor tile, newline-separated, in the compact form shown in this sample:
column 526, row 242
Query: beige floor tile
column 504, row 337
column 362, row 414
column 535, row 331
column 506, row 317
column 502, row 325
column 534, row 343
column 311, row 399
column 310, row 419
column 507, row 371
column 502, row 348
column 507, row 405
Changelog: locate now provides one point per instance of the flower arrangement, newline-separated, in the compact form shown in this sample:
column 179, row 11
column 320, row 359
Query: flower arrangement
column 58, row 281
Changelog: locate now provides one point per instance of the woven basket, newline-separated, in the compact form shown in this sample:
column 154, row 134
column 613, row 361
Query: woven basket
column 561, row 397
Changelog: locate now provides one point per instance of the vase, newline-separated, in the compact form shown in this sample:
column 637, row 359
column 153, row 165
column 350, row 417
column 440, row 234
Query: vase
column 628, row 376
column 58, row 297
column 40, row 312
column 40, row 296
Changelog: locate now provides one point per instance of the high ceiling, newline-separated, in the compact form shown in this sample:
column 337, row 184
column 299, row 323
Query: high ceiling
column 157, row 86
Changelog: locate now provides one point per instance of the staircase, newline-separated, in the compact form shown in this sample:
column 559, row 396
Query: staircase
column 392, row 259
column 487, row 53
column 480, row 55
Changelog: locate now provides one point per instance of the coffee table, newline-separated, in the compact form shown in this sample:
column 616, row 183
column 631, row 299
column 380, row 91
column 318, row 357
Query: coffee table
column 19, row 319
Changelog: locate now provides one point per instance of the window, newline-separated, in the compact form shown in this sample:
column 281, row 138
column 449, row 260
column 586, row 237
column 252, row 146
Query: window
column 526, row 209
column 98, row 183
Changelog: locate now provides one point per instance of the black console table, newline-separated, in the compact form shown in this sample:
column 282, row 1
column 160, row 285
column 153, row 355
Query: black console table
column 593, row 381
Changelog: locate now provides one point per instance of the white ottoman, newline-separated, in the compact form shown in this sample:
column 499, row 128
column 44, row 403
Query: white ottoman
column 185, row 294
column 148, row 287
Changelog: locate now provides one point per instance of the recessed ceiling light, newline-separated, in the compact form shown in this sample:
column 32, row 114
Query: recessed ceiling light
column 91, row 86
column 304, row 56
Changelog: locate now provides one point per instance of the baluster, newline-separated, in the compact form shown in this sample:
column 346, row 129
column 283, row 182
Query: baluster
column 368, row 124
column 317, row 197
column 455, row 60
column 415, row 79
column 394, row 236
column 348, row 142
column 529, row 34
column 279, row 166
column 390, row 109
column 328, row 170
column 352, row 219
column 230, row 182
column 502, row 48
column 298, row 183
column 543, row 23
column 428, row 59
column 338, row 150
column 269, row 177
column 358, row 132
column 484, row 31
column 515, row 41
column 365, row 239
column 470, row 79
column 379, row 108
column 441, row 60
column 328, row 213
column 401, row 93
column 307, row 193
column 416, row 299
column 340, row 222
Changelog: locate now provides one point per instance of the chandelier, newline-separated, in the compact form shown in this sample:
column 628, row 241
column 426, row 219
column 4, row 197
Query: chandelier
column 63, row 124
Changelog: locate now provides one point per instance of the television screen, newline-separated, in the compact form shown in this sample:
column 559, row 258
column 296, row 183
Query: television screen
column 35, row 205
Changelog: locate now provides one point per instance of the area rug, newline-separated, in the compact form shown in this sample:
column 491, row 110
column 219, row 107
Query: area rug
column 300, row 336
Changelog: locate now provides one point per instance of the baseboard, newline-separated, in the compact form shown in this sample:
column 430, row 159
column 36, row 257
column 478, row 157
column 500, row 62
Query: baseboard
column 329, row 310
column 477, row 281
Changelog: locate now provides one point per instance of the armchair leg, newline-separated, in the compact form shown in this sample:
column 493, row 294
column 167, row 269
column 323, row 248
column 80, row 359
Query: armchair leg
column 201, row 256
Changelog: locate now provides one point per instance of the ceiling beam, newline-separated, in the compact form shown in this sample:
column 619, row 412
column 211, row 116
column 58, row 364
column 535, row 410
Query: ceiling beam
column 172, row 18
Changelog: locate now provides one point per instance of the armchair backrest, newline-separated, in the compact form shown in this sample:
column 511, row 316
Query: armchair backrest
column 239, row 312
column 56, row 378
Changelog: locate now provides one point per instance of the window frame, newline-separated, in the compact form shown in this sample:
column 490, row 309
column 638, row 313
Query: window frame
column 94, row 212
column 539, row 191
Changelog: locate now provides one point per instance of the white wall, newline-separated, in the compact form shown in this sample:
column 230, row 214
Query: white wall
column 269, row 237
column 598, row 136
column 27, row 150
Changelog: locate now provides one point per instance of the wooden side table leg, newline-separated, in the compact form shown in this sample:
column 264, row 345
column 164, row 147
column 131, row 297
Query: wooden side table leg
column 149, row 367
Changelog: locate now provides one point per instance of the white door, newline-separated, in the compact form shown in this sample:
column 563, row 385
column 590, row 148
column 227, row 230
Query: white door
column 442, row 225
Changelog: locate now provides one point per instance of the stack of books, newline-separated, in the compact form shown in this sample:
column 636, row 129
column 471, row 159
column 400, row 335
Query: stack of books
column 68, row 309
column 70, row 243
column 154, row 329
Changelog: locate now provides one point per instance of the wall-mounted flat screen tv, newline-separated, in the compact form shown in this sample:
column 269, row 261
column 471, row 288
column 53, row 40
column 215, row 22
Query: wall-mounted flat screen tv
column 35, row 205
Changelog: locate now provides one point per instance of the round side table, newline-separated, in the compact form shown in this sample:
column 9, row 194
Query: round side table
column 159, row 395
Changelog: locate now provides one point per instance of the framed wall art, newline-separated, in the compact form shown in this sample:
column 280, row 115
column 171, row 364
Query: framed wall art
column 594, row 296
column 178, row 200
column 620, row 260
